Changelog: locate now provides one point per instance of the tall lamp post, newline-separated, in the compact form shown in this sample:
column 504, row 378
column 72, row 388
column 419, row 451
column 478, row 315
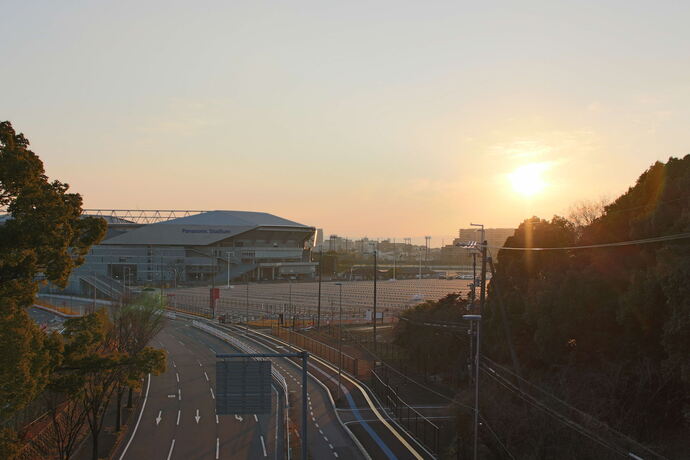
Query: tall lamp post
column 340, row 337
column 375, row 278
column 246, row 306
column 477, row 319
column 227, row 254
column 318, row 305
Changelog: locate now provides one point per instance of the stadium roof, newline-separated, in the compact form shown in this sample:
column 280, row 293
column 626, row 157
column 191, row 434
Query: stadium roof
column 235, row 219
column 203, row 229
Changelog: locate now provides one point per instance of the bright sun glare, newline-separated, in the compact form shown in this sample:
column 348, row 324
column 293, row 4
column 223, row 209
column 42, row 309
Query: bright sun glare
column 527, row 180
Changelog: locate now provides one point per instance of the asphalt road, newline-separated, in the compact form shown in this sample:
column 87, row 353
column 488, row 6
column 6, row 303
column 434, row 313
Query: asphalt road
column 179, row 420
column 326, row 436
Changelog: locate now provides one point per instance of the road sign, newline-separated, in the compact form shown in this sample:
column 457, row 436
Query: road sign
column 243, row 387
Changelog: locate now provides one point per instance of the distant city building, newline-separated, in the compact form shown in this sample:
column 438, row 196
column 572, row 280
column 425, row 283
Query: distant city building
column 456, row 255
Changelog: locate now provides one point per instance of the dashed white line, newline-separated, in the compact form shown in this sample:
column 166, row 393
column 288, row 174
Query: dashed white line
column 217, row 447
column 177, row 376
column 178, row 417
column 335, row 453
column 199, row 362
column 206, row 375
column 263, row 446
column 179, row 393
column 256, row 419
column 321, row 432
column 216, row 418
column 172, row 446
column 174, row 365
column 212, row 395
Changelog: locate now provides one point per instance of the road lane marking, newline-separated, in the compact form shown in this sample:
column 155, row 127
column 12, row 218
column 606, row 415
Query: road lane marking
column 335, row 453
column 330, row 445
column 212, row 395
column 263, row 446
column 216, row 418
column 177, row 376
column 256, row 419
column 206, row 375
column 179, row 393
column 134, row 431
column 178, row 417
column 174, row 365
column 159, row 418
column 217, row 447
column 181, row 343
column 172, row 446
column 237, row 417
column 199, row 362
column 197, row 417
column 212, row 350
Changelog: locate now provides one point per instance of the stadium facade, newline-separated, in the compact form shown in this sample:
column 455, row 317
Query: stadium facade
column 209, row 247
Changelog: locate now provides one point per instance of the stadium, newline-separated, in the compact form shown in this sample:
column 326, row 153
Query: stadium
column 192, row 248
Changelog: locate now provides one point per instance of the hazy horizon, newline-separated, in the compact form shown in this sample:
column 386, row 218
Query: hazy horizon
column 389, row 120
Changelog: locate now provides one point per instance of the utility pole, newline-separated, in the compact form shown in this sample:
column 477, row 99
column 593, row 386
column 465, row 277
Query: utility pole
column 475, row 319
column 246, row 305
column 474, row 276
column 375, row 278
column 318, row 305
column 340, row 337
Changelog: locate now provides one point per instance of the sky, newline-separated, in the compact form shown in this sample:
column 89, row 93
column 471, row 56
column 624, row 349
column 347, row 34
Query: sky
column 380, row 119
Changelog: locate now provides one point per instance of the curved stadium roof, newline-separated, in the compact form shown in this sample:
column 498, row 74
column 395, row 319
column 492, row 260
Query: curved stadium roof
column 203, row 229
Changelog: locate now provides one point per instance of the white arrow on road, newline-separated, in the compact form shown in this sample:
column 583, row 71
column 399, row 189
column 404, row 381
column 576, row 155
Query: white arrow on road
column 159, row 418
column 196, row 417
column 237, row 417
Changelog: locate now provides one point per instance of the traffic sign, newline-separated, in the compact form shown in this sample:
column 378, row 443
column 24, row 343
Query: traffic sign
column 243, row 387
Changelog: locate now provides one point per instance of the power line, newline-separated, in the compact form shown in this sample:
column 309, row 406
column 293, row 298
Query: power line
column 539, row 405
column 584, row 415
column 656, row 239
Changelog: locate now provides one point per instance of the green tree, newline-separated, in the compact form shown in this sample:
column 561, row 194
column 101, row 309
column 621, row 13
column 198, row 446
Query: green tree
column 46, row 235
column 136, row 324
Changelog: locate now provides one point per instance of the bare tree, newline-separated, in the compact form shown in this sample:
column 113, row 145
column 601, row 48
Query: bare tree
column 583, row 213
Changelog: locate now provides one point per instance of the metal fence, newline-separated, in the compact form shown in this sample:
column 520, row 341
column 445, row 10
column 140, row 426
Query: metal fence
column 423, row 429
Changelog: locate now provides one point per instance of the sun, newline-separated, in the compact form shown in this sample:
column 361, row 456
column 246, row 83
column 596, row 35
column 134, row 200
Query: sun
column 527, row 180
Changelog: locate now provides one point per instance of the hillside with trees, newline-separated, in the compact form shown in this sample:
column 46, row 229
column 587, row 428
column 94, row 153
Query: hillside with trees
column 601, row 335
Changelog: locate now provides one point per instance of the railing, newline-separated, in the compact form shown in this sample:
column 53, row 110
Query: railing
column 423, row 429
column 350, row 364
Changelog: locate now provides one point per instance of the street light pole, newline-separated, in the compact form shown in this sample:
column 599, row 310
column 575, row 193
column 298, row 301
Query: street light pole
column 228, row 257
column 477, row 319
column 375, row 278
column 246, row 304
column 318, row 305
column 340, row 337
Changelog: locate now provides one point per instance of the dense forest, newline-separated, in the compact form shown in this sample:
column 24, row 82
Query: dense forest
column 601, row 335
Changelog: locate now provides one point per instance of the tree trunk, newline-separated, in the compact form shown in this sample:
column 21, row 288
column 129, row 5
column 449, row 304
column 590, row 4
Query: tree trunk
column 118, row 409
column 129, row 398
column 94, row 446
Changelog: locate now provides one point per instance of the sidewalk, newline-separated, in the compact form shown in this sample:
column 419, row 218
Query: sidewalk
column 109, row 439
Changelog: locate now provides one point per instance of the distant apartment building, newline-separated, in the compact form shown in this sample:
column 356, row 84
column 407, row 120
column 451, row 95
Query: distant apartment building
column 456, row 255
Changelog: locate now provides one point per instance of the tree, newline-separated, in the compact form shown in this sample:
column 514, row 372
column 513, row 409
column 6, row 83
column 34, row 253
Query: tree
column 136, row 325
column 46, row 235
